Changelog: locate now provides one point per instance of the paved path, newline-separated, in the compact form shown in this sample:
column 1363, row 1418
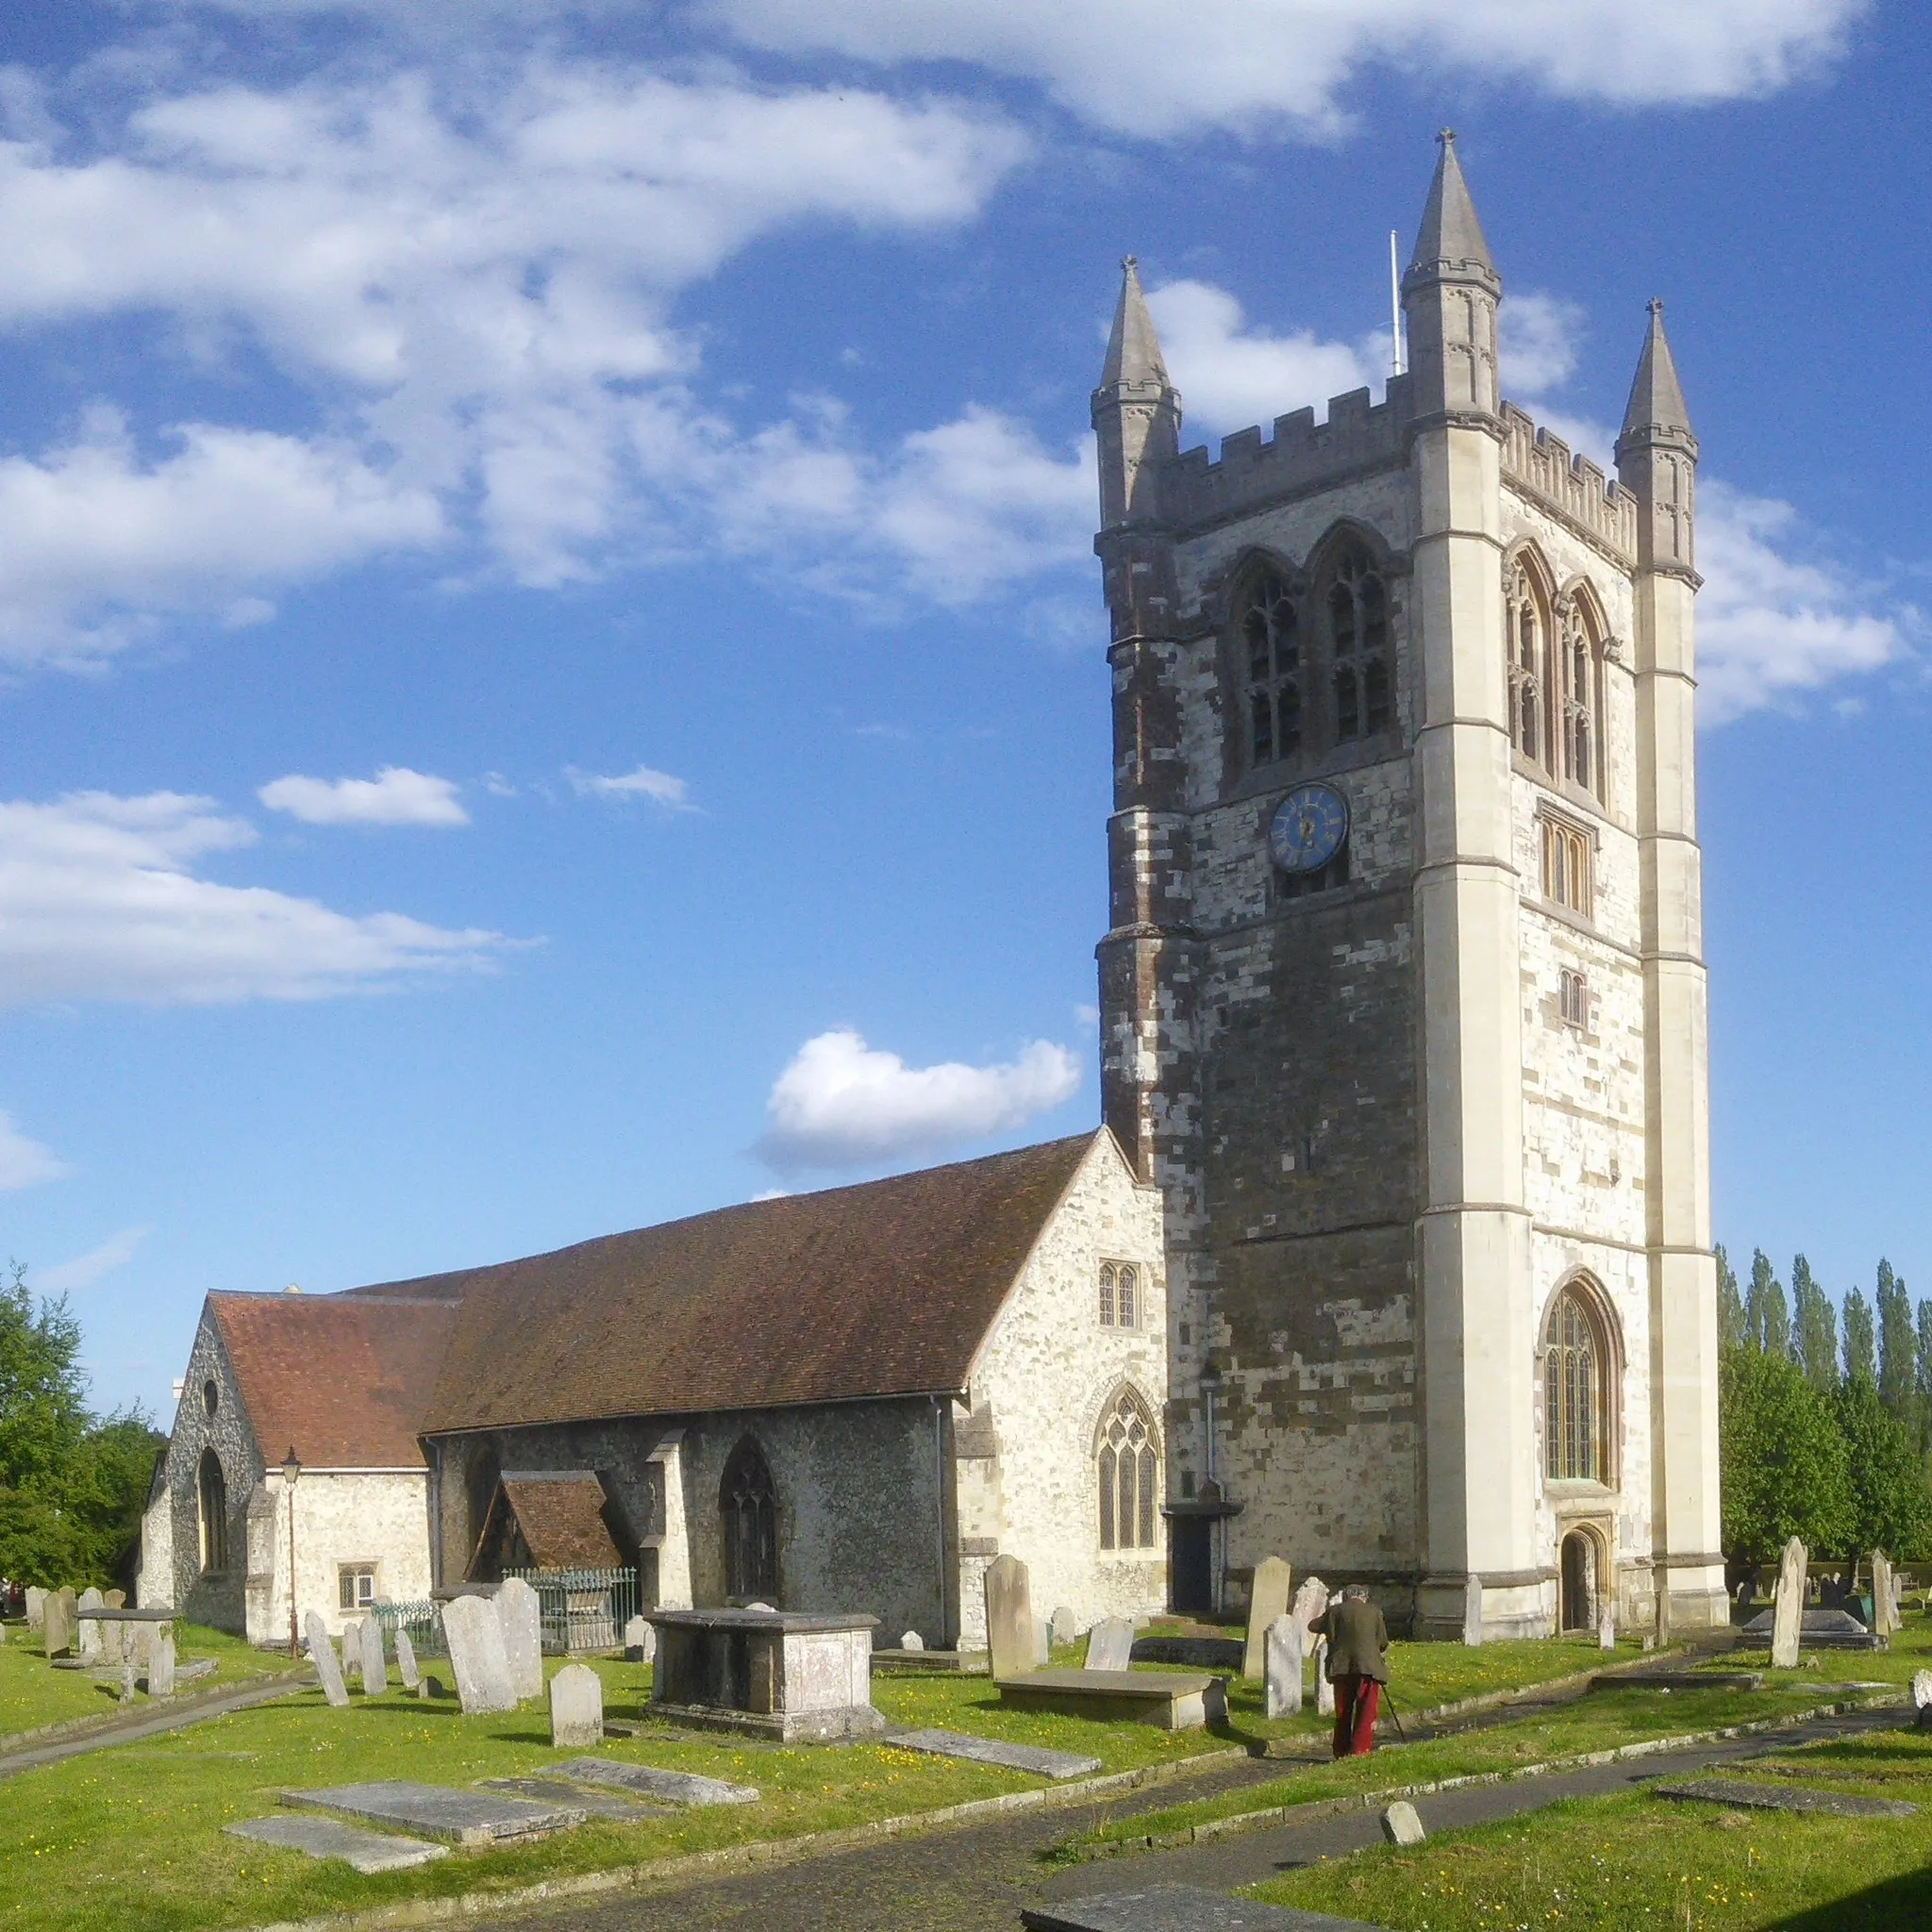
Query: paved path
column 977, row 1880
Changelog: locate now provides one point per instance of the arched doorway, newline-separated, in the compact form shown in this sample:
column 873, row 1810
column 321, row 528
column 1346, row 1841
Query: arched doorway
column 1577, row 1571
column 748, row 1505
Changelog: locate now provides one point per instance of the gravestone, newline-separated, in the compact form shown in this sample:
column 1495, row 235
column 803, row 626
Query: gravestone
column 1110, row 1644
column 160, row 1664
column 476, row 1656
column 648, row 1781
column 374, row 1666
column 1325, row 1688
column 1401, row 1827
column 1663, row 1612
column 349, row 1657
column 576, row 1708
column 1042, row 1643
column 36, row 1608
column 1215, row 1703
column 1884, row 1604
column 141, row 1647
column 113, row 1636
column 129, row 1683
column 522, row 1616
column 57, row 1625
column 1281, row 1660
column 1034, row 1757
column 912, row 1640
column 1310, row 1605
column 1921, row 1699
column 1788, row 1606
column 1011, row 1647
column 321, row 1653
column 1606, row 1629
column 1267, row 1600
column 90, row 1631
column 1472, row 1612
column 1063, row 1627
column 405, row 1661
column 329, row 1837
column 640, row 1642
column 468, row 1818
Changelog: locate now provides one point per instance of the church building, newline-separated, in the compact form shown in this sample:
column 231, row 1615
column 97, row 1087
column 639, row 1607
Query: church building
column 1402, row 995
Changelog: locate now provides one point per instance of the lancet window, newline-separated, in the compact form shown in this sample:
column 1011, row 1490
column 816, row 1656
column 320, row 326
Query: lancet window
column 1128, row 1458
column 1271, row 639
column 748, row 1502
column 1575, row 1391
column 1528, row 641
column 211, row 1492
column 1358, row 645
column 1583, row 696
column 1554, row 652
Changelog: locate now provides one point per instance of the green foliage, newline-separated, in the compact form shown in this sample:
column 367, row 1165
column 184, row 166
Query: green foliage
column 1767, row 1316
column 1889, row 1507
column 1731, row 1304
column 1814, row 1328
column 1898, row 1380
column 1784, row 1462
column 1861, row 1354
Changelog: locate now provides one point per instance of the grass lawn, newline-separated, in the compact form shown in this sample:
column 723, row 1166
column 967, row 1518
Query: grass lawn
column 33, row 1693
column 1638, row 1860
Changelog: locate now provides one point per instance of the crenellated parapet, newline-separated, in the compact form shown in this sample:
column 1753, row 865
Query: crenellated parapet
column 1304, row 455
column 1568, row 484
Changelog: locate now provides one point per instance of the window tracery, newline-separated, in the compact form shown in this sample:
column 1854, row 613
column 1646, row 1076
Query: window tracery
column 1554, row 652
column 748, row 1502
column 1527, row 632
column 1119, row 1294
column 1575, row 1391
column 1128, row 1462
column 1270, row 636
column 1358, row 646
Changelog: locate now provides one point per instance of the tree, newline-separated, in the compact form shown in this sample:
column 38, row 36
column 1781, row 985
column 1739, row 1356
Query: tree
column 1814, row 1328
column 1898, row 1378
column 1785, row 1471
column 1766, row 1317
column 1890, row 1508
column 1861, row 1359
column 1731, row 1304
column 1926, row 1374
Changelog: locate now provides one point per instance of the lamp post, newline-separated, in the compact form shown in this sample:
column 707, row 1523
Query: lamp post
column 292, row 1471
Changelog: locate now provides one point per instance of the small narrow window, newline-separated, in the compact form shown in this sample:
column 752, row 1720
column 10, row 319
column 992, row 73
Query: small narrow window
column 1127, row 1309
column 1106, row 1294
column 211, row 1488
column 1572, row 998
column 1566, row 863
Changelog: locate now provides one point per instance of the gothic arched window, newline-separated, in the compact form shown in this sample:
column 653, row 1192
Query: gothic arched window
column 1128, row 1456
column 1272, row 643
column 1527, row 639
column 1575, row 1391
column 748, row 1505
column 1119, row 1281
column 1358, row 645
column 1582, row 698
column 211, row 1494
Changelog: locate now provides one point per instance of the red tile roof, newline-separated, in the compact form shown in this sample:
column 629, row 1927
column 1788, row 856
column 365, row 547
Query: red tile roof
column 885, row 1288
column 561, row 1516
column 343, row 1379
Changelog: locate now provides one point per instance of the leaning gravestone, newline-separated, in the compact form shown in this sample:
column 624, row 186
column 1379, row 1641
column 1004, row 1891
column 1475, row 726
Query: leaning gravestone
column 160, row 1664
column 350, row 1656
column 1009, row 1637
column 1063, row 1626
column 406, row 1662
column 374, row 1665
column 1110, row 1644
column 1472, row 1612
column 57, row 1625
column 1281, row 1659
column 90, row 1632
column 1606, row 1629
column 1787, row 1619
column 1884, row 1605
column 1311, row 1604
column 1267, row 1600
column 912, row 1640
column 1325, row 1685
column 322, row 1654
column 521, row 1614
column 477, row 1657
column 36, row 1608
column 576, row 1708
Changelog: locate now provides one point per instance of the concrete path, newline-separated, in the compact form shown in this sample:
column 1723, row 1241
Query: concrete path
column 977, row 1880
column 149, row 1720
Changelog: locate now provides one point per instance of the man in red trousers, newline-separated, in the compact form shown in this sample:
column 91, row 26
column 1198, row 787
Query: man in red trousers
column 1357, row 1667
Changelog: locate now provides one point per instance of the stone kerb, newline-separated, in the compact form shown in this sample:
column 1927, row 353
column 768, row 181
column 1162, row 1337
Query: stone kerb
column 1267, row 1600
column 476, row 1656
column 322, row 1654
column 520, row 1613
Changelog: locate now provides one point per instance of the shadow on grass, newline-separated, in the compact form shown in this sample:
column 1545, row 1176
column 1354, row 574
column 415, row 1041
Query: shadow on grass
column 1904, row 1903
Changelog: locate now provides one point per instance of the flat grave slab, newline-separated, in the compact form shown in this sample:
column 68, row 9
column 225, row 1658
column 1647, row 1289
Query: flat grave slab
column 329, row 1837
column 1178, row 1908
column 466, row 1818
column 1189, row 1653
column 1748, row 1797
column 554, row 1791
column 1032, row 1757
column 648, row 1781
column 1173, row 1700
column 1678, row 1680
column 893, row 1662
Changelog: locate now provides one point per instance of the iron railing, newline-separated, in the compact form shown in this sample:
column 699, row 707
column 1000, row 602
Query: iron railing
column 583, row 1610
column 421, row 1619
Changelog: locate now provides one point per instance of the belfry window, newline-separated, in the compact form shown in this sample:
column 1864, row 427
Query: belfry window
column 1272, row 643
column 1527, row 639
column 1583, row 693
column 1566, row 864
column 748, row 1503
column 1129, row 1461
column 1575, row 1364
column 1358, row 646
column 211, row 1492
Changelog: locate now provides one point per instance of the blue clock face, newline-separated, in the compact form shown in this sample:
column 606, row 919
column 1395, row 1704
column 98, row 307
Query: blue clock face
column 1309, row 828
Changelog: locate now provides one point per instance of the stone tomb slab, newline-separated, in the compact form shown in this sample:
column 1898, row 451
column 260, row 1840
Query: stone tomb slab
column 1678, row 1680
column 1176, row 1908
column 552, row 1790
column 465, row 1818
column 329, row 1837
column 648, row 1781
column 1173, row 1700
column 1749, row 1797
column 1054, row 1764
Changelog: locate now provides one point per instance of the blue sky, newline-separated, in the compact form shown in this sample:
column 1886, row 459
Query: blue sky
column 552, row 662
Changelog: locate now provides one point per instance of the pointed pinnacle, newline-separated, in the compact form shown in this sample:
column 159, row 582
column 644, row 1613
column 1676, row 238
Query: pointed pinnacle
column 1133, row 349
column 1450, row 231
column 1657, row 397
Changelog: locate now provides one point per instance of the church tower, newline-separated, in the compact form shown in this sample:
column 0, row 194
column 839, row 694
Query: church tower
column 1403, row 998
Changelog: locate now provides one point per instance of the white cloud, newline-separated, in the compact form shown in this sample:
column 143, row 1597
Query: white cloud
column 1154, row 68
column 100, row 898
column 395, row 796
column 1537, row 341
column 842, row 1104
column 24, row 1163
column 72, row 1277
column 659, row 787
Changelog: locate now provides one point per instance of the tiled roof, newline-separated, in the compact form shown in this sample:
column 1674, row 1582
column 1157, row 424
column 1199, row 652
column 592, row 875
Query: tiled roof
column 885, row 1288
column 343, row 1379
column 561, row 1516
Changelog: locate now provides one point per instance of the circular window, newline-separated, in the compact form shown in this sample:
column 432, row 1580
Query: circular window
column 210, row 1399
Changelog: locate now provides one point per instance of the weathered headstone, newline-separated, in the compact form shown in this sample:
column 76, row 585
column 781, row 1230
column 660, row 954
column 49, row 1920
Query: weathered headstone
column 350, row 1656
column 1884, row 1605
column 374, row 1665
column 160, row 1664
column 129, row 1682
column 1311, row 1604
column 1063, row 1627
column 1473, row 1612
column 36, row 1608
column 1042, row 1643
column 576, row 1708
column 521, row 1614
column 57, row 1624
column 1606, row 1629
column 1010, row 1644
column 640, row 1642
column 1325, row 1689
column 1281, row 1660
column 321, row 1653
column 405, row 1661
column 1921, row 1699
column 1215, row 1703
column 1267, row 1600
column 912, row 1640
column 141, row 1647
column 1110, row 1644
column 89, row 1630
column 1788, row 1620
column 1401, row 1827
column 477, row 1657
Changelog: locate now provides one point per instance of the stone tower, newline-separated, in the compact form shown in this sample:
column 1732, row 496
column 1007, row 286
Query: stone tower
column 1403, row 999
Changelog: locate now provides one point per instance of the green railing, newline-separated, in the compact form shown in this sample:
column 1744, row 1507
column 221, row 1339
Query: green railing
column 421, row 1619
column 583, row 1610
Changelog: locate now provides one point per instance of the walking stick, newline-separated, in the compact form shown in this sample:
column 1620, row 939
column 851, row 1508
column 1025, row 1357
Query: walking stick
column 1394, row 1714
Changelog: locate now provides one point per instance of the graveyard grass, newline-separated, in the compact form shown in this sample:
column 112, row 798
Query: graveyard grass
column 33, row 1695
column 1638, row 1860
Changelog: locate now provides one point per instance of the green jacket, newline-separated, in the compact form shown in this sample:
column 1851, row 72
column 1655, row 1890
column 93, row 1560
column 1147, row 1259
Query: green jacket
column 1358, row 1640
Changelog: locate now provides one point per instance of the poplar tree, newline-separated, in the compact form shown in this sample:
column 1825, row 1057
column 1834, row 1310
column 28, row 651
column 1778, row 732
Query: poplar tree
column 1730, row 1307
column 1898, row 1376
column 1814, row 1328
column 1767, row 1316
column 1862, row 1355
column 1926, row 1374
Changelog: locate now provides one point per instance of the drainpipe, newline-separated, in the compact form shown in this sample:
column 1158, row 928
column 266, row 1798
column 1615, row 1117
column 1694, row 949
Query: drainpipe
column 939, row 1491
column 1210, row 1386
